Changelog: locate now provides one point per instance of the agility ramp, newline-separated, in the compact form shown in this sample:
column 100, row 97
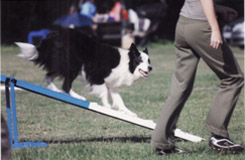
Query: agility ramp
column 11, row 83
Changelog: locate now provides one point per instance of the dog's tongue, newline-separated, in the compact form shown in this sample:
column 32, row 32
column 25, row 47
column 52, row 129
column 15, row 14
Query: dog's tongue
column 145, row 74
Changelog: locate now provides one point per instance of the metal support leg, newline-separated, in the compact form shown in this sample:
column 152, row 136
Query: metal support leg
column 9, row 119
column 12, row 120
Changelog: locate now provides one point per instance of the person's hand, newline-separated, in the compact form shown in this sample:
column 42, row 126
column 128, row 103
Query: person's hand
column 216, row 39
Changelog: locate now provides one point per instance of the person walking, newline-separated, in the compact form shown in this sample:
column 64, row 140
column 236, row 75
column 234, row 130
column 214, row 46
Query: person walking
column 198, row 36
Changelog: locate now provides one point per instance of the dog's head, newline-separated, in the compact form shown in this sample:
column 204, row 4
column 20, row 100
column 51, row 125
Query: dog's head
column 139, row 64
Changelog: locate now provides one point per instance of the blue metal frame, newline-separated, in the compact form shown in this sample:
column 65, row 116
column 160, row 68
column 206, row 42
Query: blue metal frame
column 12, row 117
column 10, row 84
column 52, row 94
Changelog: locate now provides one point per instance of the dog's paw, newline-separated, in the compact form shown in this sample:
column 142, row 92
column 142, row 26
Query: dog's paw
column 81, row 97
column 52, row 87
column 75, row 95
column 129, row 113
column 108, row 106
column 55, row 89
column 114, row 107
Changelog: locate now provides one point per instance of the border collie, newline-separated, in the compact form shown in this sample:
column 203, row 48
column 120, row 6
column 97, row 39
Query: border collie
column 69, row 53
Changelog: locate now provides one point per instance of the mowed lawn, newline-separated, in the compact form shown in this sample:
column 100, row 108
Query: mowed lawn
column 76, row 134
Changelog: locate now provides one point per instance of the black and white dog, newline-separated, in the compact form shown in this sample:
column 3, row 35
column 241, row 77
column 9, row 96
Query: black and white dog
column 70, row 53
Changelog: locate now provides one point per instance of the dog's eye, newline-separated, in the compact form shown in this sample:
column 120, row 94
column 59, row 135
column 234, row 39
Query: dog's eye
column 149, row 61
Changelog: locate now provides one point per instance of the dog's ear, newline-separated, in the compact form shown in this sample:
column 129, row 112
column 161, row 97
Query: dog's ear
column 146, row 50
column 133, row 50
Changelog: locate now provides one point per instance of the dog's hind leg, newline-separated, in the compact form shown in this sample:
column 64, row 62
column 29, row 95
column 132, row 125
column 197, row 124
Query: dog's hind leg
column 67, row 87
column 68, row 80
column 102, row 92
column 117, row 103
column 50, row 85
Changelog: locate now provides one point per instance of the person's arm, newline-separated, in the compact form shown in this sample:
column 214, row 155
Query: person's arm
column 209, row 11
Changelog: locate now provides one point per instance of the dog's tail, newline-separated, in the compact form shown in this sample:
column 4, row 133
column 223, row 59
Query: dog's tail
column 28, row 51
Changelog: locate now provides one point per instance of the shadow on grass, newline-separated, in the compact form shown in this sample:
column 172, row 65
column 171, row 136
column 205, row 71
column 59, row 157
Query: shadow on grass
column 133, row 139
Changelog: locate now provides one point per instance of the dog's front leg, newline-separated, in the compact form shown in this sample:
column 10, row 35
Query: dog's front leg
column 102, row 92
column 117, row 103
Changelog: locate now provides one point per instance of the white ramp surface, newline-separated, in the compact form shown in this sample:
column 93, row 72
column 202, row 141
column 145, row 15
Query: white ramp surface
column 140, row 122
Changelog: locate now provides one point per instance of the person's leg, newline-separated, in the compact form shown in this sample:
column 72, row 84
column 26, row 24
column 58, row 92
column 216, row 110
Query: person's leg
column 181, row 87
column 225, row 99
column 225, row 65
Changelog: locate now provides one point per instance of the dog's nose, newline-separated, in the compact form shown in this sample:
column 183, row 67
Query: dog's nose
column 150, row 68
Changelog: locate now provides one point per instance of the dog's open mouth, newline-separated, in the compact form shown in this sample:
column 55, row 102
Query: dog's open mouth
column 143, row 73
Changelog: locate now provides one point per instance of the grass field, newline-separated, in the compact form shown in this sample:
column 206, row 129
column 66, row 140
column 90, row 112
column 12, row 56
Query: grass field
column 76, row 134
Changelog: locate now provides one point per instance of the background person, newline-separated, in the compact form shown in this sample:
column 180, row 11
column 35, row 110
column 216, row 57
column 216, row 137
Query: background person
column 198, row 36
column 88, row 8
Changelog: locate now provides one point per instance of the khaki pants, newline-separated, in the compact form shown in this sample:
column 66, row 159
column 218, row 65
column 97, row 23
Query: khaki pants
column 192, row 42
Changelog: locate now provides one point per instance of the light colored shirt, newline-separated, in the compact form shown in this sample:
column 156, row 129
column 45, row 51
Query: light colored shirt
column 193, row 9
column 88, row 9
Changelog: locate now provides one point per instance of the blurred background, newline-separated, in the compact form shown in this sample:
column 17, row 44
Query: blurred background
column 116, row 22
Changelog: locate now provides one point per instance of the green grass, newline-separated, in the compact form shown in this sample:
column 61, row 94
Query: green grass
column 76, row 134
